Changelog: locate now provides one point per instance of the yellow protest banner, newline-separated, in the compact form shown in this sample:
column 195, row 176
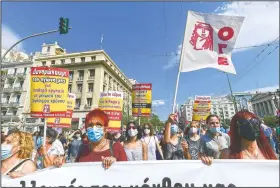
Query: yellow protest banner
column 48, row 92
column 111, row 102
column 201, row 108
column 141, row 100
column 64, row 122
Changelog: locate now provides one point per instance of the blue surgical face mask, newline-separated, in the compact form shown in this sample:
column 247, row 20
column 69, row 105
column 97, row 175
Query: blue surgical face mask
column 95, row 134
column 174, row 129
column 6, row 151
column 215, row 130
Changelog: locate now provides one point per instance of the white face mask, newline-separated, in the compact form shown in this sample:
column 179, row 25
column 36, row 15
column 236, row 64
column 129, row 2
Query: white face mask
column 132, row 132
column 193, row 130
column 147, row 131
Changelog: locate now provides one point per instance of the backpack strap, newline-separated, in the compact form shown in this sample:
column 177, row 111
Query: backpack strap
column 111, row 148
column 18, row 165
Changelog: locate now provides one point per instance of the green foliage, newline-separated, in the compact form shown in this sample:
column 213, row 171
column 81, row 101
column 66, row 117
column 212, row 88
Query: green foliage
column 270, row 121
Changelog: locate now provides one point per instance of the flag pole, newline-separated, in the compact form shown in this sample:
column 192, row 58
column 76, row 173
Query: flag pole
column 232, row 96
column 179, row 71
column 101, row 42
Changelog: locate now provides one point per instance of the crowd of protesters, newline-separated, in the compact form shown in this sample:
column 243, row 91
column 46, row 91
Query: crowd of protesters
column 248, row 138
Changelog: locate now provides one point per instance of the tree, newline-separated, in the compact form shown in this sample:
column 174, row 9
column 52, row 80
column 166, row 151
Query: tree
column 270, row 121
column 226, row 123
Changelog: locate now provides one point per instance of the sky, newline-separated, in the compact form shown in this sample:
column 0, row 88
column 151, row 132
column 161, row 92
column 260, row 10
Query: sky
column 143, row 39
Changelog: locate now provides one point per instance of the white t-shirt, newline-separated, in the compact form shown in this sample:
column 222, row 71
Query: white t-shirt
column 56, row 148
column 151, row 144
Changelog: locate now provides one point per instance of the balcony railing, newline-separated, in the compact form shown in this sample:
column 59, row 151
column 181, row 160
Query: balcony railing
column 81, row 78
column 21, row 75
column 10, row 117
column 4, row 104
column 77, row 107
column 91, row 78
column 11, row 76
column 3, row 77
column 14, row 104
column 7, row 89
column 18, row 89
column 87, row 106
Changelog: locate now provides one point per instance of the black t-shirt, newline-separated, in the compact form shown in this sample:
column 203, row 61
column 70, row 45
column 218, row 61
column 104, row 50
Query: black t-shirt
column 63, row 140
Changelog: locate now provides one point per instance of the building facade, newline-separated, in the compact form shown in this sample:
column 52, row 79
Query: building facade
column 221, row 106
column 15, row 80
column 90, row 73
column 266, row 104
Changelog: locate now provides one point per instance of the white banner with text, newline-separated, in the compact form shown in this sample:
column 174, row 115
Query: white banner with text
column 222, row 173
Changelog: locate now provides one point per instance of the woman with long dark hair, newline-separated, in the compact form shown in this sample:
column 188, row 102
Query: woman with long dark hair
column 247, row 139
column 135, row 148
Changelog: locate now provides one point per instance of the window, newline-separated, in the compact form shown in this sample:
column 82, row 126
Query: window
column 4, row 112
column 62, row 61
column 78, row 102
column 72, row 60
column 14, row 112
column 71, row 75
column 21, row 83
column 89, row 101
column 90, row 87
column 91, row 72
column 93, row 58
column 231, row 108
column 25, row 69
column 70, row 88
column 104, row 88
column 53, row 62
column 83, row 59
column 17, row 99
column 49, row 49
column 81, row 74
column 44, row 63
column 7, row 99
column 15, row 71
column 80, row 88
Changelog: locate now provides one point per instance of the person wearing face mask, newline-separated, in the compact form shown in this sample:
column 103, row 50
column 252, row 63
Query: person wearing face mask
column 174, row 147
column 195, row 145
column 74, row 146
column 98, row 148
column 248, row 139
column 135, row 148
column 214, row 141
column 15, row 155
column 48, row 153
column 151, row 141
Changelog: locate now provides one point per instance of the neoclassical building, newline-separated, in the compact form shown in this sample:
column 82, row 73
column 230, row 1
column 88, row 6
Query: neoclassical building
column 266, row 104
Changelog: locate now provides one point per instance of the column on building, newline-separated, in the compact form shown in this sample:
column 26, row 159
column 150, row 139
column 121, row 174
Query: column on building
column 259, row 109
column 262, row 109
column 267, row 112
column 269, row 107
column 274, row 109
column 255, row 109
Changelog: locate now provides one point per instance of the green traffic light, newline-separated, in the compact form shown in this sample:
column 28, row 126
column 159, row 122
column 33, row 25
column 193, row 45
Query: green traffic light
column 63, row 25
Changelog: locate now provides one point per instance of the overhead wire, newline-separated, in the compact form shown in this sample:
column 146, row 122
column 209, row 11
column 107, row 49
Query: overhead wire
column 247, row 71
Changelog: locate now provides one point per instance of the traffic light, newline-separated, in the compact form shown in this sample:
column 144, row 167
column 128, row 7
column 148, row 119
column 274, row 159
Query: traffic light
column 63, row 25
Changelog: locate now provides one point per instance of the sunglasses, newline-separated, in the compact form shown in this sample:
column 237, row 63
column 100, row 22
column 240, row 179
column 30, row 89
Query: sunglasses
column 252, row 121
column 132, row 127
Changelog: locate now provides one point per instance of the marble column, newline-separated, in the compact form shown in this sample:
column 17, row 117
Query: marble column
column 273, row 107
column 262, row 109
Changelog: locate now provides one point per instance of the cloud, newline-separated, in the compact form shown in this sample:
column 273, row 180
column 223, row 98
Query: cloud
column 264, row 89
column 9, row 37
column 261, row 23
column 174, row 60
column 157, row 103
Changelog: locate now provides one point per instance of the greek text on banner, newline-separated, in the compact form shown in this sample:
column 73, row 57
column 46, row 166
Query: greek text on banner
column 181, row 173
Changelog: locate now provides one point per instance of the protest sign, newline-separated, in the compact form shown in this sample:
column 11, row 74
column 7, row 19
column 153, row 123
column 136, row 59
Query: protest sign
column 201, row 108
column 141, row 100
column 48, row 92
column 208, row 42
column 64, row 122
column 181, row 173
column 111, row 102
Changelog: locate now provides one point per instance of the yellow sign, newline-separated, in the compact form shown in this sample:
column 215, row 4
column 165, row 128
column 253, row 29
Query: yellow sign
column 67, row 121
column 111, row 102
column 141, row 100
column 49, row 92
column 201, row 108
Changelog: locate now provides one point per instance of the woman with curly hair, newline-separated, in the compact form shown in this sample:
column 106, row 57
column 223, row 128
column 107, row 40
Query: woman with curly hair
column 16, row 152
column 247, row 139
